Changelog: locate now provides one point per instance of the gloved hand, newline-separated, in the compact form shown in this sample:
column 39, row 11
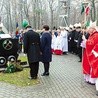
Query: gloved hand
column 83, row 37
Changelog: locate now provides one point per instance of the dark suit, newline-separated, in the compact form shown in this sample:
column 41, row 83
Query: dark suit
column 79, row 47
column 32, row 48
column 71, row 41
column 46, row 50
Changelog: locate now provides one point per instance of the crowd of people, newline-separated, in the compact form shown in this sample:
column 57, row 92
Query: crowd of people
column 80, row 41
column 75, row 39
column 67, row 39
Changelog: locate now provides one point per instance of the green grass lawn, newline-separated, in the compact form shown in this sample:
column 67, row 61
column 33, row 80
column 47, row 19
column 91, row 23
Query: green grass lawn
column 18, row 78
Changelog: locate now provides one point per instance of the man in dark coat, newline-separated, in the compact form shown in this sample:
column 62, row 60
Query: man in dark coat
column 32, row 48
column 46, row 49
column 71, row 40
column 79, row 46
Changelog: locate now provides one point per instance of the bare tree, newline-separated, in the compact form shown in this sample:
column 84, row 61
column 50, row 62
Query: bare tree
column 37, row 12
column 52, row 6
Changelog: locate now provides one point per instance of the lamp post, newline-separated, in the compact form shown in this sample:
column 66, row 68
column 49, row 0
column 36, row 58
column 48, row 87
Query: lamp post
column 65, row 4
column 68, row 11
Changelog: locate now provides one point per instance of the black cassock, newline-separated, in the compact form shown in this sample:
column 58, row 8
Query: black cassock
column 32, row 48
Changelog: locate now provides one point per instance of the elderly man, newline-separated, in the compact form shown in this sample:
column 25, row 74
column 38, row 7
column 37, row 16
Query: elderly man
column 90, row 64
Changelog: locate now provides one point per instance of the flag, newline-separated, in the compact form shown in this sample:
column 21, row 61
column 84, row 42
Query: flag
column 87, row 10
column 17, row 29
column 17, row 25
column 87, row 23
column 82, row 8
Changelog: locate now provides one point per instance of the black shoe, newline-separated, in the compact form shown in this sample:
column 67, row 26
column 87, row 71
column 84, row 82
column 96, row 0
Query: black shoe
column 91, row 83
column 35, row 77
column 32, row 77
column 45, row 74
column 65, row 53
column 80, row 61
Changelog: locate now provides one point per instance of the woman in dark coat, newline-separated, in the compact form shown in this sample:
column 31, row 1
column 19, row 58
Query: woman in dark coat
column 46, row 49
column 32, row 48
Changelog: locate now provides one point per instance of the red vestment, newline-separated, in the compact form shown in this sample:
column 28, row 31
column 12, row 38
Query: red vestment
column 85, row 64
column 92, row 44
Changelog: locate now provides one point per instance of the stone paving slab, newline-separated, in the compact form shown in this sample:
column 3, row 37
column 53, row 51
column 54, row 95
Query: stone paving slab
column 65, row 81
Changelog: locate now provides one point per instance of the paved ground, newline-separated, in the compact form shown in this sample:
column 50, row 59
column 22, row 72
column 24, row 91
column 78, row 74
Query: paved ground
column 65, row 81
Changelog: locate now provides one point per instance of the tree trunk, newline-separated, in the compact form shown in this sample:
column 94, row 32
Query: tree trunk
column 52, row 22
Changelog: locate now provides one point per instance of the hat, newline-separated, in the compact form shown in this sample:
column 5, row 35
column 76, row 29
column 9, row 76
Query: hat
column 70, row 26
column 93, row 25
column 79, row 25
column 25, row 23
column 75, row 25
column 67, row 28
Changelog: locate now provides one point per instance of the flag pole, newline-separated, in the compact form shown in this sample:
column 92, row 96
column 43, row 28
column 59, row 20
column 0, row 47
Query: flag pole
column 85, row 5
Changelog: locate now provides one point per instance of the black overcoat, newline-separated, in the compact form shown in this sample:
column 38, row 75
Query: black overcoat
column 46, row 47
column 32, row 46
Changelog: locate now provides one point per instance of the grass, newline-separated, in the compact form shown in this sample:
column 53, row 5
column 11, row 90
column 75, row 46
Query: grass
column 18, row 78
column 22, row 58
